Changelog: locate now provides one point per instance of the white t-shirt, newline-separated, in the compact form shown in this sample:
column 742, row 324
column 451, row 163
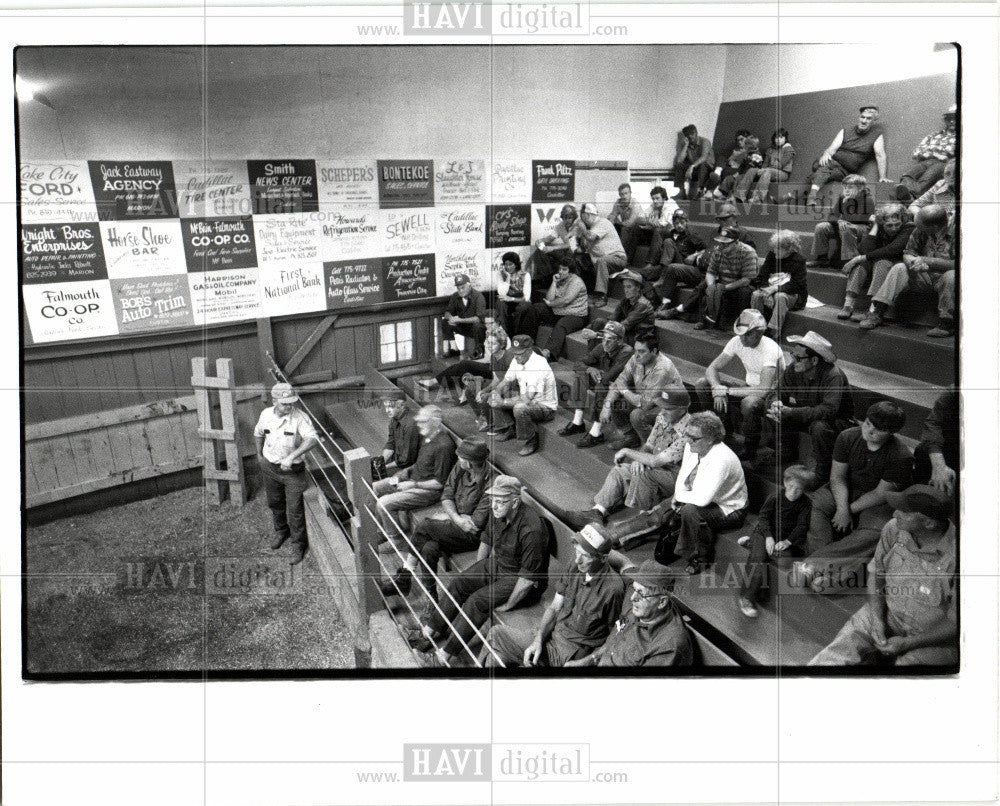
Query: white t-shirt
column 756, row 359
column 535, row 380
column 719, row 479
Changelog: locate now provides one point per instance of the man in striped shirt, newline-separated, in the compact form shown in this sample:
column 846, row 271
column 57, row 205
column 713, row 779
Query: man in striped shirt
column 732, row 269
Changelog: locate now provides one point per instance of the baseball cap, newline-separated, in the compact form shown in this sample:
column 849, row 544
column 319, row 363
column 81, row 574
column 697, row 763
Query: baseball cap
column 727, row 235
column 628, row 274
column 652, row 575
column 749, row 319
column 461, row 279
column 474, row 450
column 522, row 341
column 283, row 393
column 921, row 498
column 593, row 539
column 504, row 486
column 617, row 328
column 728, row 209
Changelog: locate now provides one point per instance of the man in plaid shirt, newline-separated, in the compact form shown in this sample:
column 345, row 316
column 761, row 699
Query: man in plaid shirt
column 732, row 269
column 929, row 159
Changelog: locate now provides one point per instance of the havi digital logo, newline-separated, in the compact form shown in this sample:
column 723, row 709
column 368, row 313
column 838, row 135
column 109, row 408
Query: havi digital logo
column 447, row 762
column 441, row 19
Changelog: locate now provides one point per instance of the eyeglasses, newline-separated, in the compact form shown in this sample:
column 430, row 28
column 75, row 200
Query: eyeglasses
column 637, row 594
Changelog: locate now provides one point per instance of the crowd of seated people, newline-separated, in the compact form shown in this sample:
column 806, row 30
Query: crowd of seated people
column 854, row 505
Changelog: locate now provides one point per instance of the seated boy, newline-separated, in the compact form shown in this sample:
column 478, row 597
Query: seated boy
column 781, row 529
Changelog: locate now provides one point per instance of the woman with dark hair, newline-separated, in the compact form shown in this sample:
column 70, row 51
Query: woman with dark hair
column 513, row 293
column 779, row 161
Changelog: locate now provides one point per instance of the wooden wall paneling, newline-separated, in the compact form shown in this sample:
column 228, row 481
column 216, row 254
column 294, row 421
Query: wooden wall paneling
column 102, row 371
column 58, row 452
column 32, row 485
column 126, row 379
column 120, row 443
column 345, row 356
column 158, row 435
column 44, row 464
column 92, row 450
column 47, row 404
column 366, row 346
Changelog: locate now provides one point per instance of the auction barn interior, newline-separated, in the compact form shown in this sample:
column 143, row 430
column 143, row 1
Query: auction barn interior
column 199, row 224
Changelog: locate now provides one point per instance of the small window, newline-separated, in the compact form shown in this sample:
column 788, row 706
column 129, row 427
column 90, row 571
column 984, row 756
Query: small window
column 395, row 342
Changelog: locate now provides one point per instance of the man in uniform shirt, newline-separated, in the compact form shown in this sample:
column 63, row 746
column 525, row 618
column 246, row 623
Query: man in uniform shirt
column 284, row 434
column 464, row 512
column 653, row 633
column 403, row 442
column 510, row 571
column 588, row 600
column 641, row 384
column 598, row 370
column 420, row 484
column 910, row 616
column 536, row 400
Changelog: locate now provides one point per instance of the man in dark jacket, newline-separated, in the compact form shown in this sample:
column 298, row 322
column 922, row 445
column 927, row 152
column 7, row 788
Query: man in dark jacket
column 879, row 251
column 594, row 375
column 466, row 316
column 813, row 397
column 674, row 246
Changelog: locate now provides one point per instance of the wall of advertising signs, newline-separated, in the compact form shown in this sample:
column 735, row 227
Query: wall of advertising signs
column 113, row 248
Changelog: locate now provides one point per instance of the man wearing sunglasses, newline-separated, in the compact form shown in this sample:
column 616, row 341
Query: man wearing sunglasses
column 653, row 633
column 711, row 491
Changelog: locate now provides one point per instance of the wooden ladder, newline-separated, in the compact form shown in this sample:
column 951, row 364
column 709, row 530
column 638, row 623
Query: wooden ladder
column 219, row 443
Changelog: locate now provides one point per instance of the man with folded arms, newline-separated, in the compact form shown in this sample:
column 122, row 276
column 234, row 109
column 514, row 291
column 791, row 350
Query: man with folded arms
column 910, row 617
column 464, row 512
column 653, row 633
column 578, row 620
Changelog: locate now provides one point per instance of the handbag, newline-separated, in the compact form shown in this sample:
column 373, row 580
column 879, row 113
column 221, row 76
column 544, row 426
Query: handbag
column 670, row 532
